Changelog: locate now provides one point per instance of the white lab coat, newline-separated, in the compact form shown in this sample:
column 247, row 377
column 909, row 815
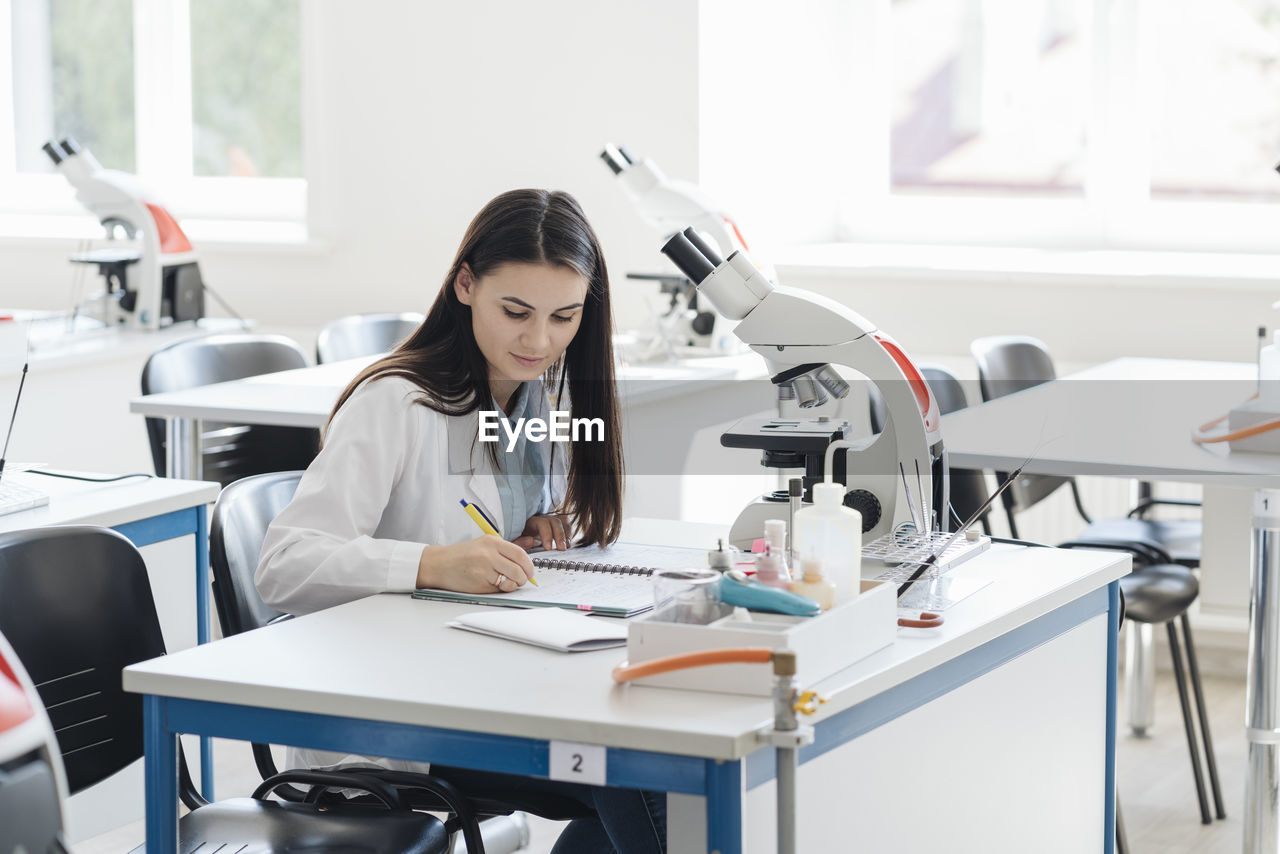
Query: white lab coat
column 385, row 486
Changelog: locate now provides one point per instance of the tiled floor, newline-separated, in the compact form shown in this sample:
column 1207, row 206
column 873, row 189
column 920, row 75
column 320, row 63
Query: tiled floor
column 1157, row 791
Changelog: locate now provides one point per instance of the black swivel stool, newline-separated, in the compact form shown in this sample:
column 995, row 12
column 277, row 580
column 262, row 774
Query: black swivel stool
column 1161, row 591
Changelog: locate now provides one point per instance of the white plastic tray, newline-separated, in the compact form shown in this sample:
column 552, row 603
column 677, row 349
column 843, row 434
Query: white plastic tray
column 823, row 644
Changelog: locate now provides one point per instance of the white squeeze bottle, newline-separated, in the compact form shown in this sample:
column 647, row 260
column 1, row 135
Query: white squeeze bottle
column 832, row 533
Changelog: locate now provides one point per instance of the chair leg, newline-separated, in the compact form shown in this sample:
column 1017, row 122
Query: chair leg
column 1122, row 841
column 1075, row 497
column 1181, row 680
column 1194, row 669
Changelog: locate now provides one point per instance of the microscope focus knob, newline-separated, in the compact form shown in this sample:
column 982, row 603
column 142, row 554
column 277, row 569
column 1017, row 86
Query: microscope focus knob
column 703, row 322
column 866, row 504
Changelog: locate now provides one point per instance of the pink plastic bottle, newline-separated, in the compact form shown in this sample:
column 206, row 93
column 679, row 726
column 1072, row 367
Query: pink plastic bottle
column 771, row 567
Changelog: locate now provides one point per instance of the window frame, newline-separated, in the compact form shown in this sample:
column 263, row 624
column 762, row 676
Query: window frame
column 163, row 134
column 1115, row 211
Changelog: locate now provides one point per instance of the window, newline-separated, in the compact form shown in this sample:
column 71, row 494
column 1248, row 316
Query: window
column 1100, row 124
column 245, row 88
column 202, row 99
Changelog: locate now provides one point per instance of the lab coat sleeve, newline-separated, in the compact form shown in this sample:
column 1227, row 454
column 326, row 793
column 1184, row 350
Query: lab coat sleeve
column 321, row 550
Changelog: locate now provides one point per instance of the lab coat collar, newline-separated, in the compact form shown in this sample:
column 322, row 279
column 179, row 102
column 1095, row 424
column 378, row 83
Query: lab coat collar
column 466, row 452
column 468, row 456
column 465, row 449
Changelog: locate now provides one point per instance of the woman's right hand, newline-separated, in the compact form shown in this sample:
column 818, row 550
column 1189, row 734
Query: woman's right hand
column 487, row 564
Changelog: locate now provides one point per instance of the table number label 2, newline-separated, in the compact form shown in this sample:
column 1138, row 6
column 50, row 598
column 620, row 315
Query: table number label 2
column 577, row 763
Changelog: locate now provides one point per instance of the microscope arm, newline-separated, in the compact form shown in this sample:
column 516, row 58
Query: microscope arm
column 800, row 332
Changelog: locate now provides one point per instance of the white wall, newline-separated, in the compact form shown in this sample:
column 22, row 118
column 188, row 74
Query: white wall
column 1083, row 323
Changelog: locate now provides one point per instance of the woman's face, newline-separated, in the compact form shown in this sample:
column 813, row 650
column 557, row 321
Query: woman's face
column 523, row 317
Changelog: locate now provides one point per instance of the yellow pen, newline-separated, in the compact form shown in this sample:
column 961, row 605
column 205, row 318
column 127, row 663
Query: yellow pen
column 483, row 523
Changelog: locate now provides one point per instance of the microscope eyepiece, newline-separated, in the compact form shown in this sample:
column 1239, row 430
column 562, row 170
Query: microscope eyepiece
column 688, row 258
column 615, row 159
column 55, row 152
column 712, row 254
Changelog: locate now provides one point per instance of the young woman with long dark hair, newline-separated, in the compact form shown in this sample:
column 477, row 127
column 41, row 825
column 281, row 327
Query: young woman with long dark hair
column 521, row 325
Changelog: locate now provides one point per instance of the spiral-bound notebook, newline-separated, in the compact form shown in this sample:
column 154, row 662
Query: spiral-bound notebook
column 612, row 582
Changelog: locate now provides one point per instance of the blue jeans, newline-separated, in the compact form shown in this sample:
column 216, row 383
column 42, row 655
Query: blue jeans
column 603, row 820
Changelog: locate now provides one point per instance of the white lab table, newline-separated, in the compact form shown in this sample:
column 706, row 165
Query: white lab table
column 1125, row 418
column 73, row 410
column 166, row 520
column 663, row 406
column 1010, row 703
column 1133, row 418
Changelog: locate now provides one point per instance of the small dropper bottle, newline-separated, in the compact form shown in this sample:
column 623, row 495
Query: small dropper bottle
column 771, row 567
column 815, row 585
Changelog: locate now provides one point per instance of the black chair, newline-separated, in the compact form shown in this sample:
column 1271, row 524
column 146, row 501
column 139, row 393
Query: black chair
column 364, row 335
column 230, row 451
column 1012, row 363
column 968, row 487
column 1160, row 591
column 76, row 605
column 237, row 527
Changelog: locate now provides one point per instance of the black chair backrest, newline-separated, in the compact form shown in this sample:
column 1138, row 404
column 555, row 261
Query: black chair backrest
column 76, row 605
column 968, row 486
column 364, row 335
column 1009, row 364
column 230, row 451
column 945, row 386
column 236, row 531
column 877, row 408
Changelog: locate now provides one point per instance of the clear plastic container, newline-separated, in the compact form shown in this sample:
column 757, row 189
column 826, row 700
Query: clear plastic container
column 832, row 533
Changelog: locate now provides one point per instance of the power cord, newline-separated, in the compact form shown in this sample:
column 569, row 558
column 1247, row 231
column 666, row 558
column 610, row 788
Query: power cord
column 1028, row 543
column 90, row 479
column 226, row 305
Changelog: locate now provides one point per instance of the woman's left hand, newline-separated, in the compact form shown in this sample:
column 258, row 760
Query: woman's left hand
column 551, row 532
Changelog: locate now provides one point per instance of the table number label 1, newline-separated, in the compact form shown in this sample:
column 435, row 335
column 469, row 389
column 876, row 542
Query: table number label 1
column 577, row 763
column 1266, row 506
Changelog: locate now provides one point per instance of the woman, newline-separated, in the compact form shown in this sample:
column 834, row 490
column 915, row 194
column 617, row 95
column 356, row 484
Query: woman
column 523, row 312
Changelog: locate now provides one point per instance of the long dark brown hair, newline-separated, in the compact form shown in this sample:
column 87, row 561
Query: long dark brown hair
column 442, row 358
